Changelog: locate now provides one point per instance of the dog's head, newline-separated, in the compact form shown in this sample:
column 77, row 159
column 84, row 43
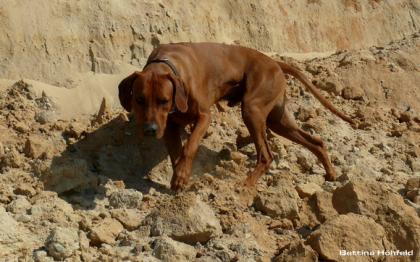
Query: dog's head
column 152, row 97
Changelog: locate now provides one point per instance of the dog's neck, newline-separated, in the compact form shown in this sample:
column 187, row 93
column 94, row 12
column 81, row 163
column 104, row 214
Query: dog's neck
column 167, row 62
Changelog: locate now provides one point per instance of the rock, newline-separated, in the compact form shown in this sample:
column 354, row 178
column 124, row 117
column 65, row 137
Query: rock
column 103, row 112
column 331, row 87
column 125, row 198
column 170, row 250
column 280, row 200
column 13, row 236
column 297, row 251
column 238, row 157
column 21, row 127
column 65, row 174
column 44, row 117
column 413, row 183
column 25, row 190
column 47, row 206
column 1, row 150
column 130, row 218
column 322, row 202
column 414, row 164
column 37, row 147
column 387, row 208
column 344, row 233
column 404, row 117
column 74, row 130
column 11, row 158
column 19, row 205
column 42, row 256
column 185, row 218
column 307, row 190
column 304, row 114
column 62, row 242
column 353, row 92
column 105, row 231
column 412, row 188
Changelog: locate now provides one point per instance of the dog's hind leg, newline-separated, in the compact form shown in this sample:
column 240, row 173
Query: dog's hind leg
column 254, row 119
column 281, row 122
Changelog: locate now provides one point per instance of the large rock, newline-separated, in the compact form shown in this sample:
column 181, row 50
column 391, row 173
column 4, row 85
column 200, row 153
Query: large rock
column 280, row 200
column 185, row 218
column 387, row 208
column 348, row 232
column 170, row 250
column 105, row 231
column 62, row 242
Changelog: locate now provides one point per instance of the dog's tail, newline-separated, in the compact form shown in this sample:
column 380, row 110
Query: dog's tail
column 290, row 70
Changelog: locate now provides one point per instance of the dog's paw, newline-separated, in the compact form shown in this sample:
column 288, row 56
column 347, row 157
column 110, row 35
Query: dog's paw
column 178, row 182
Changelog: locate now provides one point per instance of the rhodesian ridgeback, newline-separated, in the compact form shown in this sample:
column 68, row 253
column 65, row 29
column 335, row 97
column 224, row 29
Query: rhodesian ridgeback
column 181, row 82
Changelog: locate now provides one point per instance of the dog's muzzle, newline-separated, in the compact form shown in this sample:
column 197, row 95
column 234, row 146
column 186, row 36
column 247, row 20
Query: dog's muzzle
column 150, row 129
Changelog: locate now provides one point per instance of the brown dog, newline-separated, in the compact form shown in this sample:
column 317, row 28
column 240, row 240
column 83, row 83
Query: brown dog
column 180, row 83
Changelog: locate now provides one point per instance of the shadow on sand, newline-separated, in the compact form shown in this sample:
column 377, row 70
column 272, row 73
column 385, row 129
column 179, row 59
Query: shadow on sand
column 115, row 152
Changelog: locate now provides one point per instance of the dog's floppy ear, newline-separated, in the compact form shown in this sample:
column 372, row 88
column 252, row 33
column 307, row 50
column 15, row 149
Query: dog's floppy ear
column 181, row 96
column 125, row 91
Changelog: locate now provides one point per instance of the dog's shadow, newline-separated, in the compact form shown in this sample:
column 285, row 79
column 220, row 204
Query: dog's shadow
column 114, row 152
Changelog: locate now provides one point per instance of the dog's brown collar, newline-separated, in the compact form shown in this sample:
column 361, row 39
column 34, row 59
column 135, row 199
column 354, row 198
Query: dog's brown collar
column 173, row 68
column 165, row 61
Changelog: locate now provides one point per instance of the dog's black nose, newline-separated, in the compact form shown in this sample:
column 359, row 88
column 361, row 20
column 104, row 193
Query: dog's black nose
column 150, row 129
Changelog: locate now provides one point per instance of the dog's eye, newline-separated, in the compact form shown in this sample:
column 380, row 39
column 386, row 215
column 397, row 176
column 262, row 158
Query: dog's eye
column 162, row 101
column 140, row 100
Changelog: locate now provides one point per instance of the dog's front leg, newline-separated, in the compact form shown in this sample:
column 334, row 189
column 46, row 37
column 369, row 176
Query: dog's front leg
column 183, row 166
column 173, row 142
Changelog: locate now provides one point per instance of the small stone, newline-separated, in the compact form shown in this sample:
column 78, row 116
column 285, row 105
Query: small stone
column 103, row 112
column 62, row 242
column 105, row 231
column 21, row 127
column 308, row 189
column 413, row 183
column 11, row 158
column 41, row 256
column 404, row 117
column 125, row 198
column 74, row 130
column 170, row 250
column 331, row 87
column 1, row 149
column 44, row 117
column 130, row 218
column 37, row 147
column 297, row 251
column 353, row 92
column 238, row 157
column 19, row 205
